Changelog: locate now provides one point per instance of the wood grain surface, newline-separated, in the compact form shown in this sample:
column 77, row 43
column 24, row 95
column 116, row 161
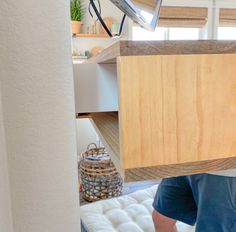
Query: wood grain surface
column 106, row 124
column 165, row 171
column 107, row 56
column 107, row 127
column 144, row 48
column 176, row 109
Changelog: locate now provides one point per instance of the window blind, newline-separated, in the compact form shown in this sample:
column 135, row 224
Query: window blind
column 227, row 17
column 183, row 16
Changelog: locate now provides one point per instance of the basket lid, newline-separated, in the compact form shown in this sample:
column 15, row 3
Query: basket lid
column 100, row 157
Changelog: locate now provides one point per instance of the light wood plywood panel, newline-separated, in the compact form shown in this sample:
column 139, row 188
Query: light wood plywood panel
column 176, row 108
column 107, row 127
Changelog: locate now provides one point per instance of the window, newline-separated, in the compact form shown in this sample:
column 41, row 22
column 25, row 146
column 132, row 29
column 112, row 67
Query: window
column 227, row 33
column 176, row 23
column 142, row 34
column 227, row 24
column 184, row 33
column 164, row 33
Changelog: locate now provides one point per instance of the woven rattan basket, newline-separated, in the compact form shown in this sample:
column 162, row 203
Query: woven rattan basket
column 99, row 177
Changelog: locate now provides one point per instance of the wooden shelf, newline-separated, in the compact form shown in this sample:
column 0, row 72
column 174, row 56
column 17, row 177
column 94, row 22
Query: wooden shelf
column 91, row 35
column 107, row 127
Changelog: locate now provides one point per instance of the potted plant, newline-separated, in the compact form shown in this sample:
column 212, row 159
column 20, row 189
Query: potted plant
column 76, row 10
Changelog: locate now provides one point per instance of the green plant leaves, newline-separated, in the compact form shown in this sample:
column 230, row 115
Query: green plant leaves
column 76, row 10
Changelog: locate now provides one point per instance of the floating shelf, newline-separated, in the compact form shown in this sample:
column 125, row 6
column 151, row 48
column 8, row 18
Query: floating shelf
column 176, row 107
column 91, row 35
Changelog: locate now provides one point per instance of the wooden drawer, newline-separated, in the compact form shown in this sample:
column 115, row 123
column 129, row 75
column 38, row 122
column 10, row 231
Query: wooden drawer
column 177, row 111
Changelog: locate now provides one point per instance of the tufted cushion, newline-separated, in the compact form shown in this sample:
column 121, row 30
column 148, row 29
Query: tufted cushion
column 130, row 213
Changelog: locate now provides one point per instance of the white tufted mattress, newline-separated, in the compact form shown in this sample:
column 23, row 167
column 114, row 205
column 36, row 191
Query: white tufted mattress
column 130, row 213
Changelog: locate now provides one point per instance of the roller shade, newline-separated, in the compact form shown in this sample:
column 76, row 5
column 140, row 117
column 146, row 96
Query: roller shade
column 183, row 17
column 227, row 17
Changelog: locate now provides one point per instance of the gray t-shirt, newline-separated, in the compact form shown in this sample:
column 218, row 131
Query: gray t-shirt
column 229, row 173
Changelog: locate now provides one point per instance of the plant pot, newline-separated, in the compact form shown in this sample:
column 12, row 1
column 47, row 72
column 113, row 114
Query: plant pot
column 76, row 27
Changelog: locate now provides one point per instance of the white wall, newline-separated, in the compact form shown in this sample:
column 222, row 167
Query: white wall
column 5, row 201
column 6, row 223
column 86, row 135
column 38, row 106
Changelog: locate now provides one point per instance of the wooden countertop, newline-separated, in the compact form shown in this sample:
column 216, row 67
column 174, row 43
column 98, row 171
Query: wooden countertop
column 142, row 48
